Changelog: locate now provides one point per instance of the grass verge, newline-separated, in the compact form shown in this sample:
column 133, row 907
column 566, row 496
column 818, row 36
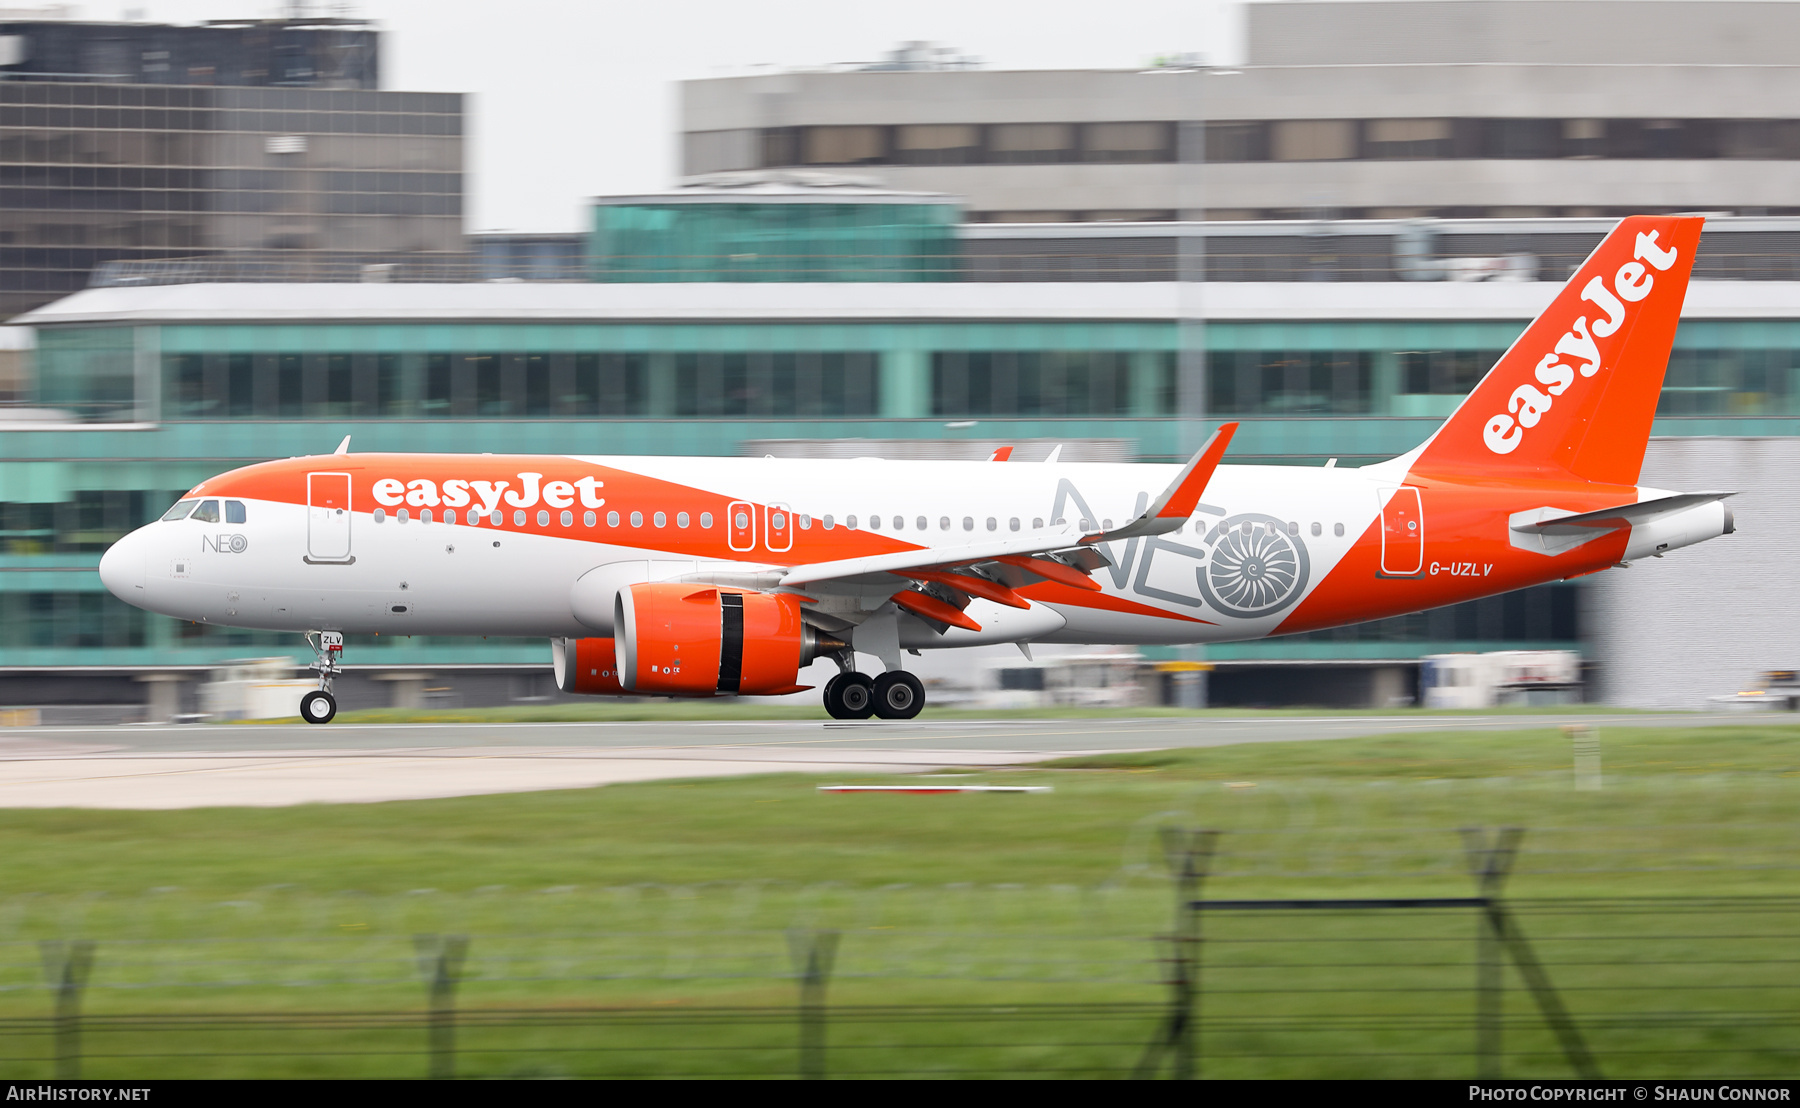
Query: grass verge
column 680, row 895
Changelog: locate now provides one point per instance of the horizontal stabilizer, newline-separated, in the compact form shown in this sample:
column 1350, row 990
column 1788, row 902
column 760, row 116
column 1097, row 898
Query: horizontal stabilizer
column 1625, row 515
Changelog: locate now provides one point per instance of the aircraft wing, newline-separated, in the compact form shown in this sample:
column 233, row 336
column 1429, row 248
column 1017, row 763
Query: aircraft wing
column 1063, row 554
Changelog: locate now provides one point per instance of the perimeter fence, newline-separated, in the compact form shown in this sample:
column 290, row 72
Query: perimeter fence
column 1259, row 958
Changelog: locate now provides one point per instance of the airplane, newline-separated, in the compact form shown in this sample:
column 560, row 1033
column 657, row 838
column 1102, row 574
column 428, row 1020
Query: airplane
column 701, row 577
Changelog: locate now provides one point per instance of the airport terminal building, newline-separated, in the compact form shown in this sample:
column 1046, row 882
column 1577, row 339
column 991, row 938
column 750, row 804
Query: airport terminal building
column 922, row 310
column 146, row 389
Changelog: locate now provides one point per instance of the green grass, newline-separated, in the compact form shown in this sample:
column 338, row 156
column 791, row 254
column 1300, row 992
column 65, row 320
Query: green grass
column 678, row 895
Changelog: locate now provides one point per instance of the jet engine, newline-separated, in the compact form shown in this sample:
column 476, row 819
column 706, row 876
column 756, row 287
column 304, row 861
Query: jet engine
column 585, row 666
column 694, row 640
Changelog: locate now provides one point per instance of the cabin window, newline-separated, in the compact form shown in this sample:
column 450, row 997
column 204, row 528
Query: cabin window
column 1338, row 530
column 660, row 519
column 543, row 518
column 612, row 519
column 681, row 519
column 402, row 515
column 425, row 516
column 1013, row 523
column 706, row 520
column 568, row 519
column 637, row 519
column 519, row 517
column 587, row 519
column 380, row 514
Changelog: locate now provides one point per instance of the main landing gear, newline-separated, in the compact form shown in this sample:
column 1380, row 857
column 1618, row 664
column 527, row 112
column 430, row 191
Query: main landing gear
column 319, row 706
column 895, row 694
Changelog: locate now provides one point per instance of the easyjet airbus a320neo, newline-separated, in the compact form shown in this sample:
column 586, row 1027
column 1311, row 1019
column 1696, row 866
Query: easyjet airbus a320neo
column 713, row 576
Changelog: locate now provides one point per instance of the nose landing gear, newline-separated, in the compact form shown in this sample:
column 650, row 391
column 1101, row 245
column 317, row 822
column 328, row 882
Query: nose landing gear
column 319, row 706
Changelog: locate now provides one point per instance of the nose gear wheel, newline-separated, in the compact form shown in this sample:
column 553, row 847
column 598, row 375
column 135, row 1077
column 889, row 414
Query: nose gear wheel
column 318, row 707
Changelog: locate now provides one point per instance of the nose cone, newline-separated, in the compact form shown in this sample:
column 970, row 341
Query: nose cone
column 122, row 567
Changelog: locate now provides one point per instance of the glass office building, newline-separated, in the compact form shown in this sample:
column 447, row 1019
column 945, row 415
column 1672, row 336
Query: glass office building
column 125, row 143
column 776, row 228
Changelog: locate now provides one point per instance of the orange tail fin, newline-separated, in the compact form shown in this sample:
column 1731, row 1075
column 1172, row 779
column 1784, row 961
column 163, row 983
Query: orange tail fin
column 1575, row 395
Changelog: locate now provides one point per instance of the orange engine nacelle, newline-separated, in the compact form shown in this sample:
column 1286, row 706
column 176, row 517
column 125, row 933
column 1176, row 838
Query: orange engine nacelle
column 585, row 666
column 704, row 640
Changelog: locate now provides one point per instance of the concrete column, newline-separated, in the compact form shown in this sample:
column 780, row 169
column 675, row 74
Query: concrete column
column 1146, row 382
column 1385, row 383
column 1188, row 683
column 661, row 384
column 1388, row 687
column 406, row 687
column 905, row 384
column 163, row 703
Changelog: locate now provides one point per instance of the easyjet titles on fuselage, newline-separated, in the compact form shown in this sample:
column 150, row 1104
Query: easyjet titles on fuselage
column 423, row 492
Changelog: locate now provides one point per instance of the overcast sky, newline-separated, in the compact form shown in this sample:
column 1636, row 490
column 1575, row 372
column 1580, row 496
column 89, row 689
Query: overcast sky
column 575, row 99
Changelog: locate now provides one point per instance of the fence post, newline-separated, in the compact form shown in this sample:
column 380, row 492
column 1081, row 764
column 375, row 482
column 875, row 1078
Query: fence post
column 1189, row 856
column 813, row 953
column 1500, row 935
column 440, row 959
column 1585, row 739
column 1489, row 863
column 66, row 967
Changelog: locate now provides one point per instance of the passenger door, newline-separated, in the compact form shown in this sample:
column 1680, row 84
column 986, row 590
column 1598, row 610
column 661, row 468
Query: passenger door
column 1402, row 532
column 328, row 518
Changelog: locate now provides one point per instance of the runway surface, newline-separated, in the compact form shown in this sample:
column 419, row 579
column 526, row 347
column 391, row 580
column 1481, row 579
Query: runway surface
column 190, row 766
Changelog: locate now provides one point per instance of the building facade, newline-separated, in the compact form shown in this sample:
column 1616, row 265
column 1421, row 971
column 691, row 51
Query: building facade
column 143, row 391
column 1536, row 108
column 306, row 161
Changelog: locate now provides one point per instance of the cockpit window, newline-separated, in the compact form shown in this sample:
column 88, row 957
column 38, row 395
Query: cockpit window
column 208, row 512
column 180, row 510
column 234, row 511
